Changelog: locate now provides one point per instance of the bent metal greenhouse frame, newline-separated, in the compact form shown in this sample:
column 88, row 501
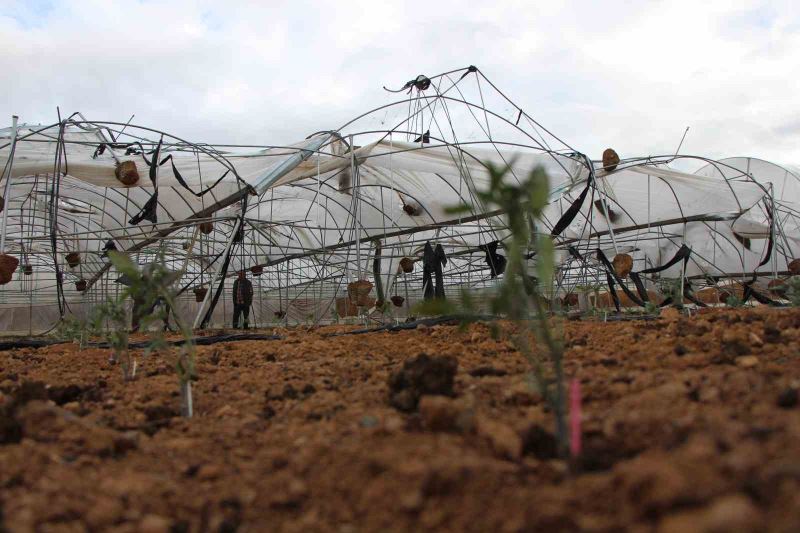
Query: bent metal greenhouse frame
column 335, row 224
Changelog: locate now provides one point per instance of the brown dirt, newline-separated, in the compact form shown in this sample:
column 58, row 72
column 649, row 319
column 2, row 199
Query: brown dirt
column 690, row 424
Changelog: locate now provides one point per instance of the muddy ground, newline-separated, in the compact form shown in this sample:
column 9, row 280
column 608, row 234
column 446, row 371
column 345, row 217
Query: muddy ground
column 689, row 424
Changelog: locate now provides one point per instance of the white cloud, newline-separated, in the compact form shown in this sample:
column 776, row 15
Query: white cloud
column 597, row 74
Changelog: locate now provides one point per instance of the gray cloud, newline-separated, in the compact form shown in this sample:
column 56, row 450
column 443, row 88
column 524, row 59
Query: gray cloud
column 597, row 74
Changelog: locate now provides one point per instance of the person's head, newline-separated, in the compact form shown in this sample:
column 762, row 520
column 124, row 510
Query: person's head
column 241, row 274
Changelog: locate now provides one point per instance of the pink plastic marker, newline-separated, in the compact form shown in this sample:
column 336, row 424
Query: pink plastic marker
column 575, row 417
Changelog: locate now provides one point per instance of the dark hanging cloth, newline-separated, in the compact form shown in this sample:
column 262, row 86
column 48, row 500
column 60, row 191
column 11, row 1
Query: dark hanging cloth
column 432, row 261
column 637, row 280
column 497, row 263
column 239, row 237
column 688, row 293
column 575, row 253
column 441, row 260
column 611, row 276
column 770, row 243
column 750, row 292
column 133, row 150
column 428, row 266
column 612, row 290
column 376, row 272
column 683, row 253
column 425, row 138
column 570, row 214
column 108, row 247
column 223, row 273
column 150, row 210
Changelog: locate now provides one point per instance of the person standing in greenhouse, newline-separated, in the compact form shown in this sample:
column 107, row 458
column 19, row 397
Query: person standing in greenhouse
column 242, row 300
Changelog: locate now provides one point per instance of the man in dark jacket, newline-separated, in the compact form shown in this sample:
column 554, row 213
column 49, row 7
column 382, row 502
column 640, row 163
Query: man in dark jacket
column 242, row 300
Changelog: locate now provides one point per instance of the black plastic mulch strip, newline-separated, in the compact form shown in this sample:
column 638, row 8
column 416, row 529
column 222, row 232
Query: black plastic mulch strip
column 413, row 325
column 205, row 341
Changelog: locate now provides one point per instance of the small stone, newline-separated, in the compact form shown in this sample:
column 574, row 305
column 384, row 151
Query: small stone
column 393, row 424
column 755, row 340
column 225, row 411
column 746, row 361
column 152, row 523
column 209, row 471
column 732, row 513
column 709, row 394
column 411, row 501
column 439, row 413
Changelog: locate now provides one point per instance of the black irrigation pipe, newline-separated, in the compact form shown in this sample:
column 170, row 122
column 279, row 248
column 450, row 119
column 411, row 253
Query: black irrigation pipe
column 28, row 343
column 199, row 341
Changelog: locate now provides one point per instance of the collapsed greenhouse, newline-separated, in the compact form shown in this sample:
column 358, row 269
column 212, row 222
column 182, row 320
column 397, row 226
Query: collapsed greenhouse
column 358, row 221
column 463, row 322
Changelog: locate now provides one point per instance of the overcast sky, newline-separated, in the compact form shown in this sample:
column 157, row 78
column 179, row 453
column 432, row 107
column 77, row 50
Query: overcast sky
column 596, row 73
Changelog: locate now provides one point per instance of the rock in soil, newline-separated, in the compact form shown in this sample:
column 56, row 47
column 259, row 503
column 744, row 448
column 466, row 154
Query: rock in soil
column 419, row 376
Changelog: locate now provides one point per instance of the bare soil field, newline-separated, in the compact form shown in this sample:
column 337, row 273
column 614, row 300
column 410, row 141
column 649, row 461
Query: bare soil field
column 689, row 424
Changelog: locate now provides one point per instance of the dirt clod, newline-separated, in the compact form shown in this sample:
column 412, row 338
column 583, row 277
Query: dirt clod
column 788, row 398
column 419, row 376
column 539, row 442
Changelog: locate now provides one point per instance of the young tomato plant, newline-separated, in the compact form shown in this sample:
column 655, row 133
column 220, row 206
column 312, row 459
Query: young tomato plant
column 110, row 320
column 519, row 296
column 151, row 287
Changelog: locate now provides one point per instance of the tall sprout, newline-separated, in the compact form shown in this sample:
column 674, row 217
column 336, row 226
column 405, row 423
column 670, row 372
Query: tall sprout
column 151, row 286
column 519, row 295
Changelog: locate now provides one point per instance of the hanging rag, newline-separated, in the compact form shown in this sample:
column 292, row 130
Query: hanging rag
column 496, row 262
column 376, row 273
column 441, row 260
column 432, row 261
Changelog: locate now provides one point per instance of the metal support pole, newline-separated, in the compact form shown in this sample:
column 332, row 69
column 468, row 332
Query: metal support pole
column 355, row 184
column 8, row 182
column 604, row 203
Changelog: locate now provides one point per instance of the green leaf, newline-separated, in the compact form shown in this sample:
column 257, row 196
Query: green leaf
column 539, row 190
column 123, row 263
column 545, row 259
column 458, row 209
column 434, row 307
